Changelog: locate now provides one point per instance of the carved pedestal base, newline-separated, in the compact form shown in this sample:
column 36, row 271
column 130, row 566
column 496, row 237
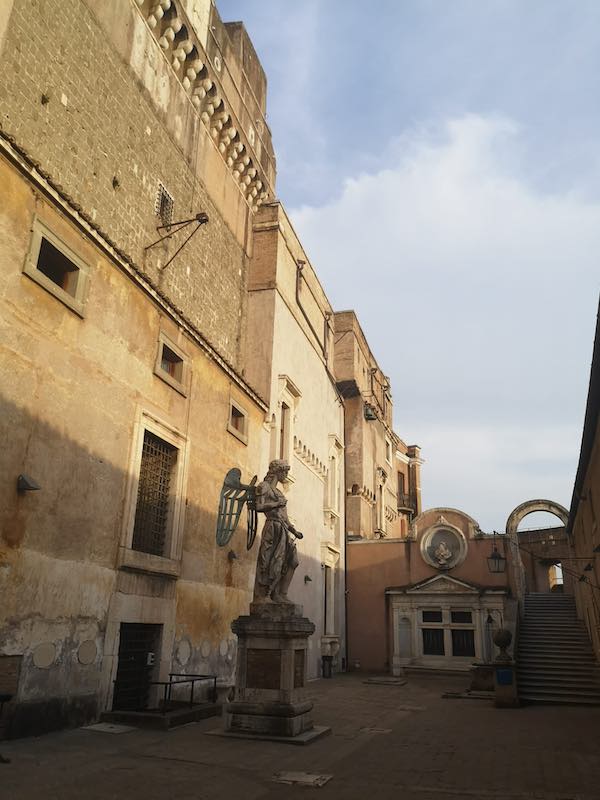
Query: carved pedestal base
column 271, row 669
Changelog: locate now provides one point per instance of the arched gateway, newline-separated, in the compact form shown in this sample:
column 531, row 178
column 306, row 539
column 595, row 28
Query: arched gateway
column 528, row 507
column 512, row 524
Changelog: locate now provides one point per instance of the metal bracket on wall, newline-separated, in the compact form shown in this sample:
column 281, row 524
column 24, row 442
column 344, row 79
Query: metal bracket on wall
column 200, row 218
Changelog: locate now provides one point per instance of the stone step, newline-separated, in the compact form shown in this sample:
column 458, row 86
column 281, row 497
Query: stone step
column 558, row 699
column 548, row 647
column 567, row 633
column 545, row 687
column 541, row 679
column 559, row 665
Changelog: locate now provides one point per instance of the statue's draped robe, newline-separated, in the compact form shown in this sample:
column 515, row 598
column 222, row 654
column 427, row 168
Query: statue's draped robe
column 277, row 551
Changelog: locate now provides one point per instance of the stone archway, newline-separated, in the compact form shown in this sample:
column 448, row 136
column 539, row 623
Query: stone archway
column 512, row 523
column 528, row 507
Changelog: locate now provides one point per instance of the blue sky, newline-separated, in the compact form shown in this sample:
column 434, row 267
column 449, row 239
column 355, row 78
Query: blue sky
column 441, row 163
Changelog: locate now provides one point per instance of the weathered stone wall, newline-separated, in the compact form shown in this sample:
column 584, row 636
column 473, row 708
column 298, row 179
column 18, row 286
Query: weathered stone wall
column 73, row 390
column 88, row 93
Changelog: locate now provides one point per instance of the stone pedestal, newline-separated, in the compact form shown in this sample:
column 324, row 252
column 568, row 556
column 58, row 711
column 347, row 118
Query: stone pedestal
column 505, row 684
column 271, row 670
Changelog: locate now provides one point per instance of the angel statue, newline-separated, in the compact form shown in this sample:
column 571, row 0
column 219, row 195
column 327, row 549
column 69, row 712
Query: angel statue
column 277, row 555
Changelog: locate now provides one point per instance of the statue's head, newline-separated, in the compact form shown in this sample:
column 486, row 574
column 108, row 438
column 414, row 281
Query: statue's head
column 279, row 468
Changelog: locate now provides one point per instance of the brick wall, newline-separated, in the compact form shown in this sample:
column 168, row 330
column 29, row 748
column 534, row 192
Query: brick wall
column 71, row 102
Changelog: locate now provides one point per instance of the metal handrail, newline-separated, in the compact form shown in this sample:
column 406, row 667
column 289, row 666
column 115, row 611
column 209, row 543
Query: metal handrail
column 192, row 679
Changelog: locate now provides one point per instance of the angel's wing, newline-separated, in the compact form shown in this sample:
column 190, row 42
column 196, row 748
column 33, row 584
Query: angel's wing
column 234, row 495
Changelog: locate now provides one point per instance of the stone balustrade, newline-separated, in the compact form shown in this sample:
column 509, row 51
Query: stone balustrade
column 183, row 53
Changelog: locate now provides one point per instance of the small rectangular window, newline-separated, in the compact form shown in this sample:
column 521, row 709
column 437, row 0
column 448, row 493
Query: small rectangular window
column 283, row 430
column 461, row 616
column 433, row 641
column 163, row 205
column 238, row 422
column 56, row 268
column 152, row 513
column 432, row 616
column 171, row 364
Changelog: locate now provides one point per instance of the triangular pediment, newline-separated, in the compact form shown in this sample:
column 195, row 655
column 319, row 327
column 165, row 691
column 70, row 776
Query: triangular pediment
column 443, row 584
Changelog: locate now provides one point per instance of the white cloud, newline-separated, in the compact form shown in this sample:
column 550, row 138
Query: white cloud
column 478, row 295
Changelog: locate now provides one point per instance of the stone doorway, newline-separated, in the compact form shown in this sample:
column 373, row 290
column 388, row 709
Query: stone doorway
column 139, row 646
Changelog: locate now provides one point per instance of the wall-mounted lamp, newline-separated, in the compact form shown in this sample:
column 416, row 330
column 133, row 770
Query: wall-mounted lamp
column 27, row 484
column 496, row 561
column 588, row 568
column 232, row 556
column 307, row 579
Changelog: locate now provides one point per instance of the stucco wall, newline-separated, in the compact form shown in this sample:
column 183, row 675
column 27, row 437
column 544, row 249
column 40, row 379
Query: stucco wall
column 376, row 565
column 72, row 392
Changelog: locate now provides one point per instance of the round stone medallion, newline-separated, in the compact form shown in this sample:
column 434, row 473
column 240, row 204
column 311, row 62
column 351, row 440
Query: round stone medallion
column 184, row 652
column 444, row 547
column 205, row 649
column 87, row 652
column 44, row 655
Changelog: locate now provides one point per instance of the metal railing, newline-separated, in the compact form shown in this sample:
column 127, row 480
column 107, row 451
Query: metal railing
column 167, row 702
column 408, row 501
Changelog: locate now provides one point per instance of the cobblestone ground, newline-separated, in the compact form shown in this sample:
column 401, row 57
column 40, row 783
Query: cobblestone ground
column 406, row 743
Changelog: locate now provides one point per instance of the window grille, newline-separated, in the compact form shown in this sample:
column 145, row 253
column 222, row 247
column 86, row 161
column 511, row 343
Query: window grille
column 152, row 510
column 163, row 206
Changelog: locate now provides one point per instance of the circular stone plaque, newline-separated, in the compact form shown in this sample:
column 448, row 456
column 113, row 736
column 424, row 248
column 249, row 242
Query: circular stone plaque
column 87, row 652
column 184, row 652
column 44, row 655
column 205, row 649
column 444, row 547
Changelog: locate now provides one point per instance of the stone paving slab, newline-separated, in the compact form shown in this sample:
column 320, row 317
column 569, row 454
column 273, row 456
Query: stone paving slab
column 436, row 749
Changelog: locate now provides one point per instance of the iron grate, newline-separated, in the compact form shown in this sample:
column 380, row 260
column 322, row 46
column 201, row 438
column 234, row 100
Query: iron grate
column 152, row 509
column 163, row 205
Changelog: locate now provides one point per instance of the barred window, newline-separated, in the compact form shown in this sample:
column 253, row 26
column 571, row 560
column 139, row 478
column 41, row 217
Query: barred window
column 163, row 205
column 152, row 513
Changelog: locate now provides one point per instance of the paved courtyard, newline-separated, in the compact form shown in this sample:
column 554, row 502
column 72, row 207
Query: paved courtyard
column 406, row 743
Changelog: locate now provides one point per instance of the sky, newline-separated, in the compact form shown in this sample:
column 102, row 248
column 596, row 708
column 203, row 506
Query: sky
column 440, row 161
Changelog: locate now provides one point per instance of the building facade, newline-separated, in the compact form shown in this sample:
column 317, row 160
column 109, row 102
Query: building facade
column 290, row 360
column 123, row 395
column 584, row 515
column 426, row 600
column 383, row 477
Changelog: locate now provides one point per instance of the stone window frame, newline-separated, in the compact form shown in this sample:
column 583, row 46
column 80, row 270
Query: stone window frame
column 447, row 626
column 335, row 480
column 330, row 557
column 289, row 394
column 389, row 452
column 181, row 386
column 243, row 434
column 169, row 564
column 75, row 302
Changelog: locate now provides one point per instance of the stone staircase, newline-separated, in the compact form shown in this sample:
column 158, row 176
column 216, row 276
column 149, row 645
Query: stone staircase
column 555, row 661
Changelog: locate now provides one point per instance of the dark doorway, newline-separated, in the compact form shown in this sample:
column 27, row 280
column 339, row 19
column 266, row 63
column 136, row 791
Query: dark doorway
column 138, row 653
